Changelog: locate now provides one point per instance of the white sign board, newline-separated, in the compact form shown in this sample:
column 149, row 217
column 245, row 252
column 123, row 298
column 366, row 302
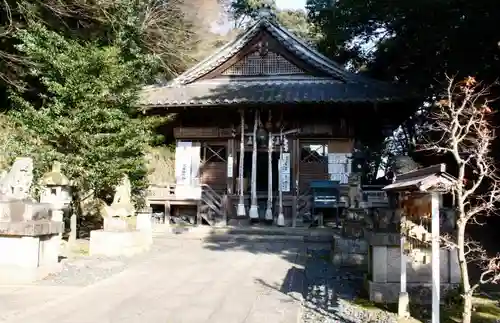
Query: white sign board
column 339, row 167
column 230, row 162
column 285, row 172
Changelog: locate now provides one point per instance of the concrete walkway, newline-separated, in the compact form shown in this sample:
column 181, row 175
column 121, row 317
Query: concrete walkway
column 183, row 281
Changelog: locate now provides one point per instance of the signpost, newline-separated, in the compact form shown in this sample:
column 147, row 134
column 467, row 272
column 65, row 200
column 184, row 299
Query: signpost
column 432, row 180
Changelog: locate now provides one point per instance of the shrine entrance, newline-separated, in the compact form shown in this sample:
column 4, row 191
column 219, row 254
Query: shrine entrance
column 262, row 171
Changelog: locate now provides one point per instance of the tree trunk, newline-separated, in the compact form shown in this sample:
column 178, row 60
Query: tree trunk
column 462, row 262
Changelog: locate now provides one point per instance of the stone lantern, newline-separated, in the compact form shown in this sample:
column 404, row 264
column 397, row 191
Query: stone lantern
column 56, row 190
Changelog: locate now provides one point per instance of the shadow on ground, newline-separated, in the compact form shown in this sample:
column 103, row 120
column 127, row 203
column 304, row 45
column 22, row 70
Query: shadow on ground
column 311, row 278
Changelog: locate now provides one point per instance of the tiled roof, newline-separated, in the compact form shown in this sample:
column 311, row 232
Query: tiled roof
column 339, row 86
column 272, row 91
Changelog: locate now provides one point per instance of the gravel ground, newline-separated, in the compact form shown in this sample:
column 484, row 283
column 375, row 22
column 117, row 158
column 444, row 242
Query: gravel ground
column 330, row 293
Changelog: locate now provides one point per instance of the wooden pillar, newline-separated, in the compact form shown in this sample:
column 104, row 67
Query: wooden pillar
column 404, row 300
column 295, row 161
column 198, row 213
column 435, row 263
column 296, row 165
column 231, row 163
column 167, row 212
column 226, row 208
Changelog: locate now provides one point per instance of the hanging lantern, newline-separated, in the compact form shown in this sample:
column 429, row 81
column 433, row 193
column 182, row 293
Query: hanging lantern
column 262, row 137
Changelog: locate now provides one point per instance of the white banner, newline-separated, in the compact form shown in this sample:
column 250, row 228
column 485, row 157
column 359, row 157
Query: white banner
column 187, row 165
column 182, row 163
column 194, row 156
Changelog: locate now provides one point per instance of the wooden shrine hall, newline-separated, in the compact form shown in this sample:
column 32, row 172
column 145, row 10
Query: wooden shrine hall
column 261, row 119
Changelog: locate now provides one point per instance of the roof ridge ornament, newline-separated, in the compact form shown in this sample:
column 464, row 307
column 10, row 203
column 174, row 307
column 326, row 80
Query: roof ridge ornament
column 266, row 10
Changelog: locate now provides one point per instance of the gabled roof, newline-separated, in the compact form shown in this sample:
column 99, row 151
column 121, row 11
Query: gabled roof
column 334, row 85
column 433, row 178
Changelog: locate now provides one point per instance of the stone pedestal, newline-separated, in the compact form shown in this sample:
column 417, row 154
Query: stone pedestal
column 29, row 250
column 119, row 243
column 384, row 270
column 349, row 251
column 349, row 248
column 144, row 220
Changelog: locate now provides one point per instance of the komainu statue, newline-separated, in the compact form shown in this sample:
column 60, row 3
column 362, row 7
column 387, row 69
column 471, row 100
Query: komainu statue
column 355, row 192
column 120, row 208
column 17, row 182
column 15, row 201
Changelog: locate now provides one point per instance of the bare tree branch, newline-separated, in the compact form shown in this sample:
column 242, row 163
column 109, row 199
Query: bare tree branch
column 462, row 128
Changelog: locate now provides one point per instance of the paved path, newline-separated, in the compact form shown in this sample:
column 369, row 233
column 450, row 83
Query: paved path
column 182, row 281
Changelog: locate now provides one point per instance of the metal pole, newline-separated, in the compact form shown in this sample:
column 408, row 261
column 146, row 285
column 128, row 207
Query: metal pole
column 240, row 210
column 436, row 284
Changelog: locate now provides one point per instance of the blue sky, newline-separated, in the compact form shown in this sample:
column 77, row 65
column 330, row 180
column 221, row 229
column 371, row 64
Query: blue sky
column 291, row 4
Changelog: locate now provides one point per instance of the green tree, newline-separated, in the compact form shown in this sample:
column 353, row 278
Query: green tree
column 158, row 27
column 245, row 11
column 412, row 43
column 297, row 22
column 85, row 117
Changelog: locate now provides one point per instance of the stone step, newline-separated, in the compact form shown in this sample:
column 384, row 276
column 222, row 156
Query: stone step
column 247, row 233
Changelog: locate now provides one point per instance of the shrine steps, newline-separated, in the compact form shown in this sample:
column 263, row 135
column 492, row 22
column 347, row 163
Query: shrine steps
column 256, row 233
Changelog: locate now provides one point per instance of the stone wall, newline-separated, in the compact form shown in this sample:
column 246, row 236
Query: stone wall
column 384, row 273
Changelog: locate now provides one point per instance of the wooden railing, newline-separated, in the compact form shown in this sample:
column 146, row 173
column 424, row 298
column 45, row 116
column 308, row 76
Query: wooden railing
column 161, row 192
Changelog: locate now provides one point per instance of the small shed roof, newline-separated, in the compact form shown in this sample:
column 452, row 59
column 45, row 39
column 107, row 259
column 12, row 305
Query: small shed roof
column 433, row 178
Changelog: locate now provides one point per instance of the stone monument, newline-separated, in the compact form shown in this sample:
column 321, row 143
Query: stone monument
column 114, row 215
column 118, row 238
column 29, row 237
column 349, row 248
